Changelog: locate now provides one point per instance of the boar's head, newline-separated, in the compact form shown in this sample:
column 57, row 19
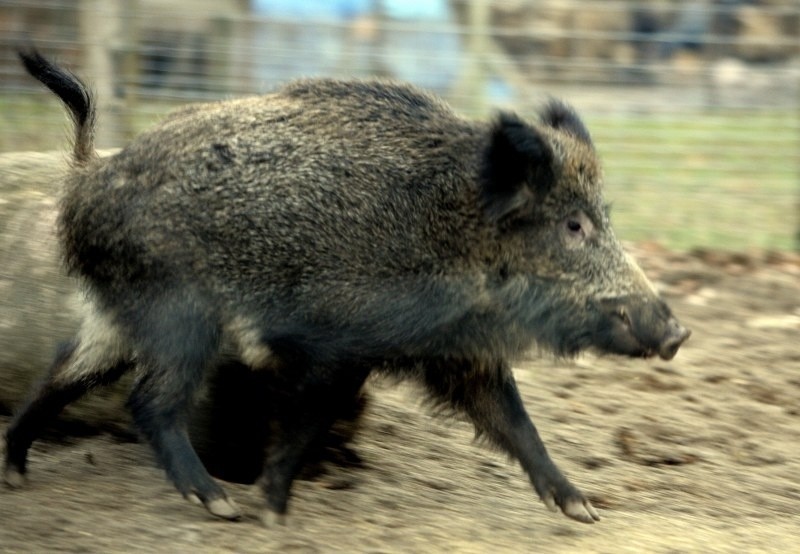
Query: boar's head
column 543, row 192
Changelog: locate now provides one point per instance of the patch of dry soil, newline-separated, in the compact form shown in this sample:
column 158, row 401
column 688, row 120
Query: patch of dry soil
column 701, row 454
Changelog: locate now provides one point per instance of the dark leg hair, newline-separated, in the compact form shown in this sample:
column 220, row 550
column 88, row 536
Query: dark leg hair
column 304, row 414
column 175, row 342
column 488, row 395
column 71, row 376
column 229, row 428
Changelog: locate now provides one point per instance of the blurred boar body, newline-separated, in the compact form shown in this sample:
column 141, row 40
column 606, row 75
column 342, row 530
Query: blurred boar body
column 326, row 230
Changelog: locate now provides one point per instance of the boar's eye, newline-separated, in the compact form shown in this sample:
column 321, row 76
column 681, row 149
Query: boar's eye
column 577, row 227
column 574, row 225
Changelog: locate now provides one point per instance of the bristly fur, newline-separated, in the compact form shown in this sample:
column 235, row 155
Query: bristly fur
column 517, row 166
column 561, row 116
column 75, row 95
column 325, row 230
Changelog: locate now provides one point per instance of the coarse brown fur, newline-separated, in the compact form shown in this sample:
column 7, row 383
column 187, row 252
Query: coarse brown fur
column 328, row 229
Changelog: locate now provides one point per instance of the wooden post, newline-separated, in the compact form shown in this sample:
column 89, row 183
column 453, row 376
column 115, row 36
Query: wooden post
column 471, row 89
column 99, row 26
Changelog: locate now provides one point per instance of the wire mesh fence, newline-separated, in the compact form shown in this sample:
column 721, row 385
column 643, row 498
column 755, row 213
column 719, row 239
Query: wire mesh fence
column 694, row 105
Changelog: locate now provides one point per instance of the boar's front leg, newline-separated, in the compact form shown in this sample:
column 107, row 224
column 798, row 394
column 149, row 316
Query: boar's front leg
column 488, row 395
column 304, row 412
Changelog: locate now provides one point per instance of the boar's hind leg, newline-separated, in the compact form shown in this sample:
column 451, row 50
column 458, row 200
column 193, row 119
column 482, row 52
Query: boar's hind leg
column 303, row 419
column 79, row 366
column 490, row 398
column 175, row 342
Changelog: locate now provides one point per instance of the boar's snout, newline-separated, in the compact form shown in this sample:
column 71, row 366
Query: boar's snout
column 639, row 326
column 676, row 335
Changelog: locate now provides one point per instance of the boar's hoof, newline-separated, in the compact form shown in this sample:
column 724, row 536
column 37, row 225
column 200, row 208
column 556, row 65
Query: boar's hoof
column 572, row 504
column 581, row 510
column 224, row 508
column 13, row 478
column 272, row 519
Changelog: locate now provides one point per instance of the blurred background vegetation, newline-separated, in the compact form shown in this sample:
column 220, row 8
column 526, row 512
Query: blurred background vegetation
column 694, row 105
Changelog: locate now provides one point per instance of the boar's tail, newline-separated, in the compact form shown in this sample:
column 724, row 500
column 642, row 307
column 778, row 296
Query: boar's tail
column 75, row 95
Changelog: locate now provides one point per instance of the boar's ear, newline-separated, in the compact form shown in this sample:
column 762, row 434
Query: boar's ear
column 517, row 165
column 561, row 116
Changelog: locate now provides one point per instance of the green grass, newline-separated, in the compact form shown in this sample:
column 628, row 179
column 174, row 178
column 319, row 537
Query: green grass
column 41, row 123
column 719, row 180
column 726, row 180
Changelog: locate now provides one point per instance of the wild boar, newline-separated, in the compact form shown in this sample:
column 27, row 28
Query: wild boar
column 325, row 231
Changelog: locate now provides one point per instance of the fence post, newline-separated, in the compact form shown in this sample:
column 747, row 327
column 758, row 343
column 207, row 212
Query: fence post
column 471, row 88
column 99, row 27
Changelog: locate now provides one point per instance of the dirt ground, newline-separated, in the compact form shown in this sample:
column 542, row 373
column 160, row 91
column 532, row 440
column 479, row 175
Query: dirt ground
column 701, row 454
